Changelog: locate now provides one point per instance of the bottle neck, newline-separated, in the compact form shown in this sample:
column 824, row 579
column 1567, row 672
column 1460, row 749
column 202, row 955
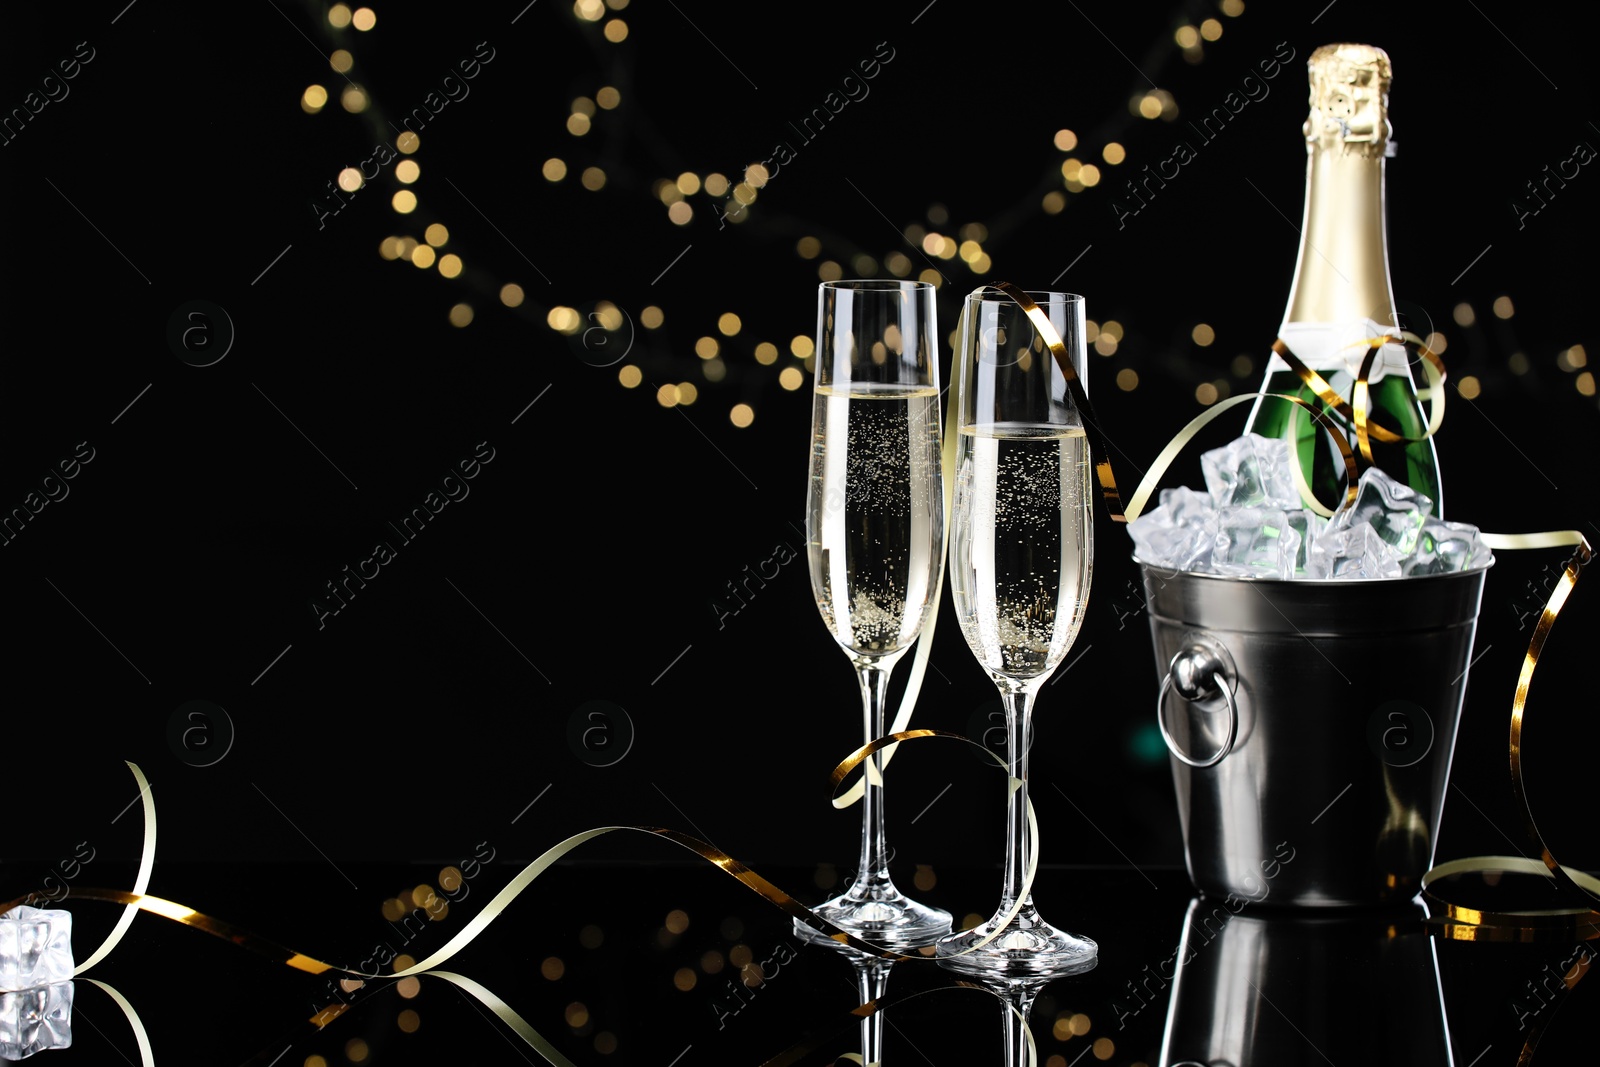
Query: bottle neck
column 1342, row 272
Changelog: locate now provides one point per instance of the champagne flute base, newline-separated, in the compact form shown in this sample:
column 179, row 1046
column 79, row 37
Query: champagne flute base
column 1028, row 946
column 882, row 916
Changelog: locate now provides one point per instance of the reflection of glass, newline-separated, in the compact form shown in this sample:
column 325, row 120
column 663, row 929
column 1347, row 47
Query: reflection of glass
column 875, row 537
column 1277, row 988
column 1021, row 555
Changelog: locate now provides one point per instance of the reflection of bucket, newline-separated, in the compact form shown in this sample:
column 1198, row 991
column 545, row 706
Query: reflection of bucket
column 1316, row 773
column 1351, row 987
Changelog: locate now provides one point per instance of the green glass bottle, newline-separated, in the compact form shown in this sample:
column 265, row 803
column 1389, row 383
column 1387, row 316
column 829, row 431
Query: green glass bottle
column 1341, row 293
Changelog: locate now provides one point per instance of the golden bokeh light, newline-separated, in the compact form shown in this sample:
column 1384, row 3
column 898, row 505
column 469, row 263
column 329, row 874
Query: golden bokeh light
column 1066, row 140
column 1211, row 29
column 404, row 201
column 1113, row 153
column 685, row 979
column 1503, row 308
column 407, row 171
column 363, row 19
column 554, row 170
column 450, row 265
column 341, row 60
column 314, row 99
column 728, row 324
column 608, row 97
column 715, row 184
column 553, row 968
column 436, row 235
column 350, row 179
column 616, row 31
column 741, row 415
column 651, row 317
column 594, row 179
column 680, row 213
column 577, row 124
column 630, row 376
column 338, row 16
column 1203, row 335
column 707, row 348
column 1127, row 379
column 577, row 1015
column 353, row 99
column 511, row 295
column 791, row 378
column 667, row 395
column 408, row 143
column 408, row 1021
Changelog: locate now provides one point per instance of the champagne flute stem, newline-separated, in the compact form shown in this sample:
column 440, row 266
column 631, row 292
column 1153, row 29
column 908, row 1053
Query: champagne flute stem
column 873, row 869
column 872, row 978
column 1018, row 706
column 1016, row 1028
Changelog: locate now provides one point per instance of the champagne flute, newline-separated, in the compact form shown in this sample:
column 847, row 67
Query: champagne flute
column 875, row 536
column 1021, row 555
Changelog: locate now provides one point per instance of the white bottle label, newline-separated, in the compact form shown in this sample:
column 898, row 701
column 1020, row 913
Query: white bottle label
column 1338, row 348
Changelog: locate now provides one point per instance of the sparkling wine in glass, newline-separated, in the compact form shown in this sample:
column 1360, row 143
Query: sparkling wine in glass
column 1021, row 555
column 875, row 535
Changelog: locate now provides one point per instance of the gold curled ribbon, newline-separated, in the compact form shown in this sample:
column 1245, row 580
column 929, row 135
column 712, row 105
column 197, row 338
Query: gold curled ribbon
column 1582, row 918
column 1031, row 842
column 1163, row 460
column 139, row 900
column 1356, row 410
column 1080, row 396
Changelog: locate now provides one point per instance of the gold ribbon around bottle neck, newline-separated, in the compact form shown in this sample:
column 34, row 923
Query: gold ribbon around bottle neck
column 1357, row 410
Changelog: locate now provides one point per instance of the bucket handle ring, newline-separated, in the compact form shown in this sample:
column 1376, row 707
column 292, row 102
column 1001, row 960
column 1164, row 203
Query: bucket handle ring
column 1199, row 673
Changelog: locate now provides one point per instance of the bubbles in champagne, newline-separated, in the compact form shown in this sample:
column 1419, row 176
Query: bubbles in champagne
column 1020, row 550
column 876, row 513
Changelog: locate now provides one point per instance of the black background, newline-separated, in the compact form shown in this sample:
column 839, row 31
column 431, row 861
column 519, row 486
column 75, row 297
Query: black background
column 429, row 713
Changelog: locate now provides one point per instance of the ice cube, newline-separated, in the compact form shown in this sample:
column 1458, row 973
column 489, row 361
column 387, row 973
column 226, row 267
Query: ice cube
column 1445, row 547
column 1395, row 511
column 1187, row 507
column 1352, row 552
column 34, row 1020
column 1251, row 471
column 1179, row 533
column 35, row 947
column 1257, row 542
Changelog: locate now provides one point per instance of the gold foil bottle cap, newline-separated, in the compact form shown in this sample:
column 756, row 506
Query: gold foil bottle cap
column 1350, row 100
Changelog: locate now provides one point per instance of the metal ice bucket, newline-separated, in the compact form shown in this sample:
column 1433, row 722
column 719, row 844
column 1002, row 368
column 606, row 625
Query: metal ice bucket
column 1310, row 727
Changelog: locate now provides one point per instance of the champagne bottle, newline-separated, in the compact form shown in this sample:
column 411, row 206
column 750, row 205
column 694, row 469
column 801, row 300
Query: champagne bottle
column 1341, row 294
